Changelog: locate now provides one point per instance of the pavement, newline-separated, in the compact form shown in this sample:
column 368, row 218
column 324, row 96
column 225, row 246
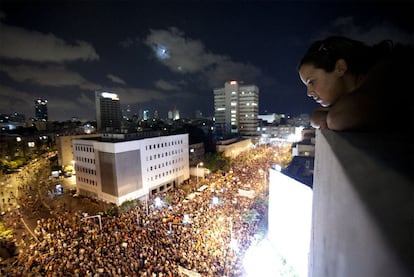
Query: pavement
column 29, row 195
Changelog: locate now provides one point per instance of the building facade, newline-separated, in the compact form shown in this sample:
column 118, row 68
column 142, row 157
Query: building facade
column 236, row 109
column 117, row 170
column 108, row 111
column 40, row 106
column 64, row 146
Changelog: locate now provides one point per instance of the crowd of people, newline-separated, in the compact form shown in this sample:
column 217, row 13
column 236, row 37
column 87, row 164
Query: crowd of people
column 156, row 241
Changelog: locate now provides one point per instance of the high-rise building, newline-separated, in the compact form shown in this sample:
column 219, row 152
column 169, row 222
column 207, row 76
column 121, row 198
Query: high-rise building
column 108, row 111
column 236, row 109
column 174, row 114
column 41, row 109
column 145, row 115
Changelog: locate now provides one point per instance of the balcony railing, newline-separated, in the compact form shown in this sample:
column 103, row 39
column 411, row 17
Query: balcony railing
column 363, row 214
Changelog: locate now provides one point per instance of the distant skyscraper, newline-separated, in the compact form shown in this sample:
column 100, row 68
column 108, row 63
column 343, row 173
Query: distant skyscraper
column 140, row 114
column 108, row 111
column 174, row 114
column 41, row 109
column 145, row 115
column 236, row 109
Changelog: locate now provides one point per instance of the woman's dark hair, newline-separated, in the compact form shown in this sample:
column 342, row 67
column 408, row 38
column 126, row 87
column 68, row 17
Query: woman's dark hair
column 359, row 57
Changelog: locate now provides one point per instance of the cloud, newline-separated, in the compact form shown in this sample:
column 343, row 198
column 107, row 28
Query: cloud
column 128, row 42
column 369, row 34
column 115, row 79
column 228, row 70
column 12, row 98
column 164, row 85
column 59, row 108
column 137, row 95
column 89, row 101
column 186, row 55
column 52, row 75
column 19, row 43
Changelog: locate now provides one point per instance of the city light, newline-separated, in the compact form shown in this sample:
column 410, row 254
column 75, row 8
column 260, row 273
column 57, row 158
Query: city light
column 290, row 219
column 109, row 95
column 262, row 259
column 158, row 202
column 234, row 245
column 186, row 219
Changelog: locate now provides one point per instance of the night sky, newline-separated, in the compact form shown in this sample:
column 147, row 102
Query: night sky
column 160, row 55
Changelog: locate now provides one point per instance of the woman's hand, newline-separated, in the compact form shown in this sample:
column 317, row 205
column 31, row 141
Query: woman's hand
column 318, row 119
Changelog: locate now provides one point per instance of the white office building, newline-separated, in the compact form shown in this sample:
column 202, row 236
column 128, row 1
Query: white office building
column 236, row 109
column 117, row 169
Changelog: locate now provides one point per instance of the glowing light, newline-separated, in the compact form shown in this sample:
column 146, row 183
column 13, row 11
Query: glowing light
column 158, row 202
column 109, row 95
column 263, row 260
column 161, row 51
column 186, row 219
column 233, row 82
column 234, row 245
column 290, row 232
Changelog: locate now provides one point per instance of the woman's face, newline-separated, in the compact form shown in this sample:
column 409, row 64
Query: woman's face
column 324, row 87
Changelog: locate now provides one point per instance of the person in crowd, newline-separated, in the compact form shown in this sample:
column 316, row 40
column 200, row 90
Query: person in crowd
column 157, row 243
column 359, row 87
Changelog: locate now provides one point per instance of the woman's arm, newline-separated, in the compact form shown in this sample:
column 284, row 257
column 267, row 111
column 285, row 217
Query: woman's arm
column 356, row 111
column 318, row 119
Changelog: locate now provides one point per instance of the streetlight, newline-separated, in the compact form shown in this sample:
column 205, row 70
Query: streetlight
column 200, row 163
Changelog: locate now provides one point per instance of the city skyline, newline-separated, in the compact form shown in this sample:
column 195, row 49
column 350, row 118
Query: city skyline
column 165, row 55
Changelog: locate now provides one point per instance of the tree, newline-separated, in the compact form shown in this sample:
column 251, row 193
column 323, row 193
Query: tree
column 7, row 246
column 5, row 234
column 217, row 161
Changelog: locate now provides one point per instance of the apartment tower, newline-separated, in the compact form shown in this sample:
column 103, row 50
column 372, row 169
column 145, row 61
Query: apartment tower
column 236, row 109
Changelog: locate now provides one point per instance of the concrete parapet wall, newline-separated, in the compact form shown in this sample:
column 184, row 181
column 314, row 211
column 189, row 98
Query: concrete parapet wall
column 362, row 222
